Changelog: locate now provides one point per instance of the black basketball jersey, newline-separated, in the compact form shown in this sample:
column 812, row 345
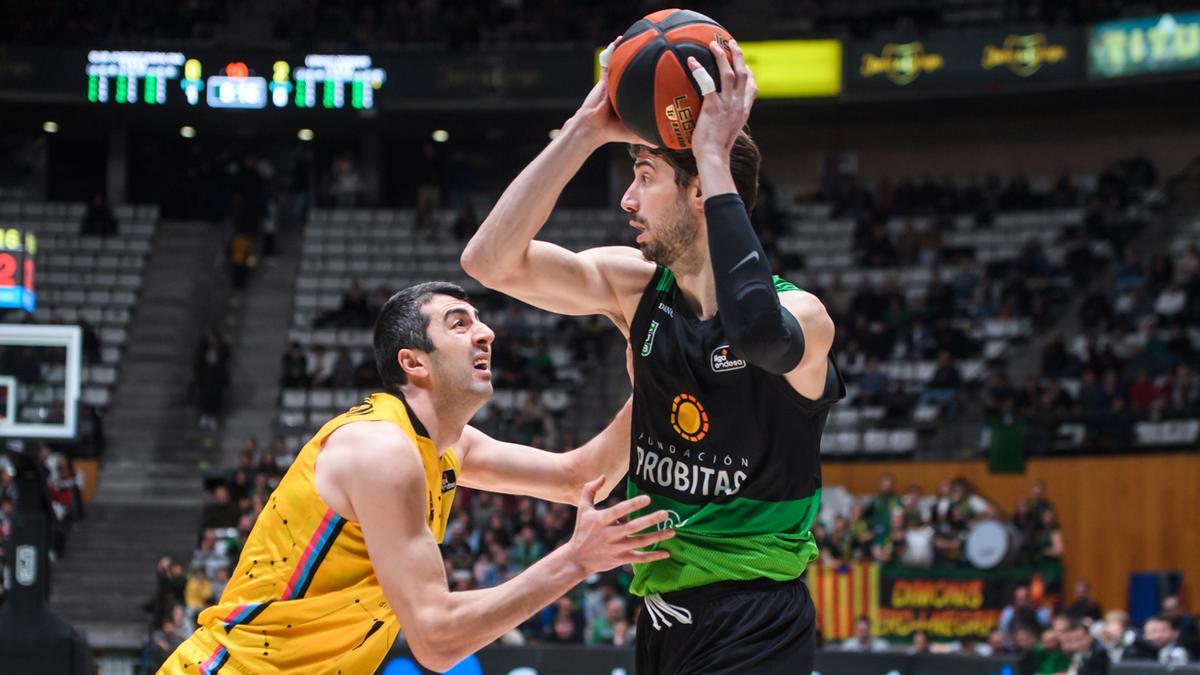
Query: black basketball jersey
column 730, row 450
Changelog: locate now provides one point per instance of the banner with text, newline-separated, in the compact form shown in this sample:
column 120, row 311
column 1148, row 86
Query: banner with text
column 947, row 62
column 1156, row 44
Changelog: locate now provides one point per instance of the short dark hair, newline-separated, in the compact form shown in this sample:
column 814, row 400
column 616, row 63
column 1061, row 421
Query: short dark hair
column 744, row 163
column 402, row 325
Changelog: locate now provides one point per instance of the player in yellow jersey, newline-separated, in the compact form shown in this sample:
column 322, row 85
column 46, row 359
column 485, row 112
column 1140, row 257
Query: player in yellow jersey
column 345, row 555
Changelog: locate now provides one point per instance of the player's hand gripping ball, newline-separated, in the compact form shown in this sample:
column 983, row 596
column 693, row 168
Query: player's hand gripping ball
column 649, row 83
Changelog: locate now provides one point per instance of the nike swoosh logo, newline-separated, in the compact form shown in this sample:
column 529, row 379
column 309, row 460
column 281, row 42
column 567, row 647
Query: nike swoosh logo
column 752, row 255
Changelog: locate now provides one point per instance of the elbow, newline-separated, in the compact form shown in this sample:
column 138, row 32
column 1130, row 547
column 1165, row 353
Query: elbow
column 432, row 643
column 472, row 261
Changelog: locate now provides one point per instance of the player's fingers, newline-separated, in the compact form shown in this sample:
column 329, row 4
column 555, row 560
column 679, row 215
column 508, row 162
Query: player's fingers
column 740, row 69
column 649, row 539
column 751, row 88
column 723, row 66
column 642, row 522
column 646, row 556
column 606, row 55
column 587, row 498
column 622, row 509
column 703, row 79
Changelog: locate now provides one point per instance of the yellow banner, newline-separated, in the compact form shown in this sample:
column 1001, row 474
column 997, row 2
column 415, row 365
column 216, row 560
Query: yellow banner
column 789, row 68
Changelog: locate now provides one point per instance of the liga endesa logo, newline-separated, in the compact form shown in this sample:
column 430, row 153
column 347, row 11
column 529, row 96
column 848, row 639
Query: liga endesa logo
column 722, row 359
column 688, row 418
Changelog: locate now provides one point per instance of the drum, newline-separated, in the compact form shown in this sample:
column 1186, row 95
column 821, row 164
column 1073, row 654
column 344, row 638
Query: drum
column 989, row 544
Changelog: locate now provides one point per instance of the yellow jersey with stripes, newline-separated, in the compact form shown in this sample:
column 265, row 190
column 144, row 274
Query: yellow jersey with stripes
column 304, row 597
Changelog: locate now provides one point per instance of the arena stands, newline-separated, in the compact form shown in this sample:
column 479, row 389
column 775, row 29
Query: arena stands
column 353, row 260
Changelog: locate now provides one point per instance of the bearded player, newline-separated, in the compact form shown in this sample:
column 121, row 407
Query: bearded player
column 345, row 553
column 732, row 377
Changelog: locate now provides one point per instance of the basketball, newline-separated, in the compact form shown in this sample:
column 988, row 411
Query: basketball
column 649, row 83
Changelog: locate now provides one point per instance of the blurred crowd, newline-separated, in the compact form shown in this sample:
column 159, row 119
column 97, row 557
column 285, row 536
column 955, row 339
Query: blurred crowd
column 343, row 24
column 1128, row 354
column 64, row 485
column 911, row 528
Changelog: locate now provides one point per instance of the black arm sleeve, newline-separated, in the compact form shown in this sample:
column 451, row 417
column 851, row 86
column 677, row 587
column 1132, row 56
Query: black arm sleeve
column 760, row 329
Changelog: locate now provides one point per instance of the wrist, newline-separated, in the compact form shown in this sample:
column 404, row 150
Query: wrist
column 578, row 133
column 572, row 566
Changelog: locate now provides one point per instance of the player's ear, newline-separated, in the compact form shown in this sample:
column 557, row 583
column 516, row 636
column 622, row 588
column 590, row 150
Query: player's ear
column 414, row 363
column 695, row 195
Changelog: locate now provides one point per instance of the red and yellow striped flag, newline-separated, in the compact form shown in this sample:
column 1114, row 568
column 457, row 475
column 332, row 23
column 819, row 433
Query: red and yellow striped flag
column 842, row 594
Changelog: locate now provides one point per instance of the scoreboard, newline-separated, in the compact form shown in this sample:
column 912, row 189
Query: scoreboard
column 17, row 249
column 330, row 81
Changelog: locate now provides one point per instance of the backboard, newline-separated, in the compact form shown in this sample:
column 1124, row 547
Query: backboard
column 39, row 380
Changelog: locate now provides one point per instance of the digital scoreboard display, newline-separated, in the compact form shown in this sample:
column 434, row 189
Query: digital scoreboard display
column 17, row 249
column 331, row 81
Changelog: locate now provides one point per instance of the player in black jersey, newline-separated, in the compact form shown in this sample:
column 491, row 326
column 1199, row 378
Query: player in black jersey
column 732, row 376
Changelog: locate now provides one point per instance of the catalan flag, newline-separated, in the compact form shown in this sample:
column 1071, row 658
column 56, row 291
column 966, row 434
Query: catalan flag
column 841, row 594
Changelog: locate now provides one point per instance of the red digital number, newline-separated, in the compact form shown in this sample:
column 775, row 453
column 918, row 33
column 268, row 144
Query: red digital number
column 27, row 278
column 8, row 270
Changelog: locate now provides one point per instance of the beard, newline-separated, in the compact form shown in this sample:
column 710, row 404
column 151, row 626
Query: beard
column 456, row 383
column 672, row 236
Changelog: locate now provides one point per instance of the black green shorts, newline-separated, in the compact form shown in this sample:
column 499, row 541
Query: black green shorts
column 759, row 627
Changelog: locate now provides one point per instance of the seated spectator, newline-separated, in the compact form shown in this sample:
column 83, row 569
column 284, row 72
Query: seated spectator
column 997, row 643
column 1114, row 634
column 1088, row 655
column 920, row 643
column 98, row 219
column 294, row 367
column 221, row 511
column 1021, row 612
column 1185, row 622
column 207, row 557
column 1160, row 642
column 199, row 593
column 863, row 640
column 942, row 388
column 1083, row 608
column 162, row 643
column 603, row 631
column 873, row 384
column 1143, row 394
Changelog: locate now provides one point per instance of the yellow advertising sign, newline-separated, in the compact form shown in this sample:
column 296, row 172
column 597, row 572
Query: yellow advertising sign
column 790, row 68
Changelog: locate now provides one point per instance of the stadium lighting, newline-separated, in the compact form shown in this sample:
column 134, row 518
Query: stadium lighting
column 187, row 132
column 441, row 136
column 50, row 127
column 553, row 133
column 305, row 134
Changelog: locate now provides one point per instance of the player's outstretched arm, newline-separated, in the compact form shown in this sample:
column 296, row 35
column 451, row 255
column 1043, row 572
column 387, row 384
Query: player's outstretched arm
column 503, row 254
column 385, row 486
column 496, row 466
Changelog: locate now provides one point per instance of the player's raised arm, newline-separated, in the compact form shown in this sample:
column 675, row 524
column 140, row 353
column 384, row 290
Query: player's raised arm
column 496, row 466
column 757, row 324
column 386, row 489
column 503, row 254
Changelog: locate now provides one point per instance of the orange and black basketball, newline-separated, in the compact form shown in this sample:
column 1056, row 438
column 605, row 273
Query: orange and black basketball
column 649, row 83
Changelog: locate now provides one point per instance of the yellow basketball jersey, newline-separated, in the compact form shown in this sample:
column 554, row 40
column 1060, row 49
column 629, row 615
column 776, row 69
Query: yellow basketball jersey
column 304, row 597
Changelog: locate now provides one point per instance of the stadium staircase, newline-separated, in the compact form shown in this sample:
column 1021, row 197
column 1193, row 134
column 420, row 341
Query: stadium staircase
column 259, row 342
column 148, row 496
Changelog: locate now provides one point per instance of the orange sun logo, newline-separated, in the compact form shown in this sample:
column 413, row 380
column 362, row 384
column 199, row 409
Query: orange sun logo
column 688, row 418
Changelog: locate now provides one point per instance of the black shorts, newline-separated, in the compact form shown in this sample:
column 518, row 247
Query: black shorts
column 759, row 627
